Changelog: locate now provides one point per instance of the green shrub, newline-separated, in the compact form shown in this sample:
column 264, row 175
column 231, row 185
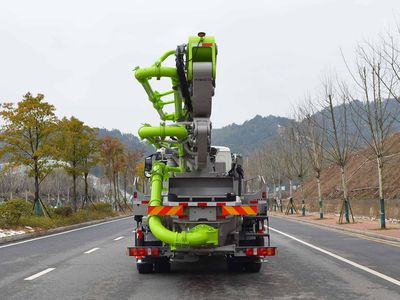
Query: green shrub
column 101, row 207
column 64, row 211
column 12, row 211
column 37, row 222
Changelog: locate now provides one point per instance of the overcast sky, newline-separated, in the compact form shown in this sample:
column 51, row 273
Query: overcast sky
column 81, row 54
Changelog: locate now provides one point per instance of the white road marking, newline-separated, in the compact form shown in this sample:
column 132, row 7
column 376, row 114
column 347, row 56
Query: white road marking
column 118, row 238
column 91, row 250
column 345, row 260
column 34, row 276
column 60, row 233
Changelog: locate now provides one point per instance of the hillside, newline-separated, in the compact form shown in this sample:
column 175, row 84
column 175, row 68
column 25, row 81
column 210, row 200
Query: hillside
column 362, row 184
column 128, row 139
column 250, row 135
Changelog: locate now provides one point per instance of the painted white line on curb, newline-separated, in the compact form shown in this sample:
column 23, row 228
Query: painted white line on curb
column 345, row 260
column 118, row 238
column 64, row 232
column 91, row 250
column 34, row 276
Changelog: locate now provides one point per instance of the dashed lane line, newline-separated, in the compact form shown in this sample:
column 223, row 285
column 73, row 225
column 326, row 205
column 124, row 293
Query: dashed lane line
column 118, row 238
column 91, row 250
column 34, row 276
column 345, row 260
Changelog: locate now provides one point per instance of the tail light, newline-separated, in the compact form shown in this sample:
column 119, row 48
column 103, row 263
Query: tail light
column 139, row 233
column 142, row 252
column 264, row 251
column 268, row 251
column 249, row 252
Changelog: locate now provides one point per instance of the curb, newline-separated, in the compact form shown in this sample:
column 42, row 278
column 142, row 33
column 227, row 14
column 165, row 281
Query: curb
column 25, row 236
column 360, row 232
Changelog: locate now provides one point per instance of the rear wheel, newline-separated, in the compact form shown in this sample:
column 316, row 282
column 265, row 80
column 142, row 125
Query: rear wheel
column 144, row 268
column 235, row 266
column 162, row 266
column 252, row 267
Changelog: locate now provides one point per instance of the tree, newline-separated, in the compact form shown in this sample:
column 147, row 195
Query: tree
column 28, row 136
column 295, row 160
column 90, row 156
column 313, row 138
column 341, row 140
column 374, row 117
column 131, row 158
column 112, row 154
column 70, row 150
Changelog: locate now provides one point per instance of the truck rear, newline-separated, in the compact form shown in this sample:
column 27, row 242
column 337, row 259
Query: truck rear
column 196, row 201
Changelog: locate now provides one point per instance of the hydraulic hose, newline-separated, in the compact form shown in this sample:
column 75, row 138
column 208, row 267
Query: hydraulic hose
column 200, row 235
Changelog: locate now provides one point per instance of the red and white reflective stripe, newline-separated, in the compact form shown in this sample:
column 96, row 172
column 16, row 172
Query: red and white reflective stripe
column 201, row 204
column 141, row 202
column 258, row 201
column 139, row 251
column 202, row 44
column 261, row 251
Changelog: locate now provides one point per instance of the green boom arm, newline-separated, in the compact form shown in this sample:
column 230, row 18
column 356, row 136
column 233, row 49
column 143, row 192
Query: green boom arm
column 199, row 49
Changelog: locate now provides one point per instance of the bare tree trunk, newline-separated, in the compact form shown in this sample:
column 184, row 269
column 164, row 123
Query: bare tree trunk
column 37, row 201
column 303, row 203
column 115, row 192
column 346, row 205
column 125, row 187
column 74, row 201
column 321, row 211
column 85, row 197
column 381, row 197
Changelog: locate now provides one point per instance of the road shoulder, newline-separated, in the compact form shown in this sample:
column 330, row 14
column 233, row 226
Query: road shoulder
column 340, row 228
column 25, row 236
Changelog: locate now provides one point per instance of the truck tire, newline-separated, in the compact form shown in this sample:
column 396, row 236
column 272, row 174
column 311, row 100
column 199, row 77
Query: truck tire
column 144, row 268
column 252, row 267
column 162, row 266
column 235, row 266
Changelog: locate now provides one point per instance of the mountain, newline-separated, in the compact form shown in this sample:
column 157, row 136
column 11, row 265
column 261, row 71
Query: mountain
column 250, row 135
column 258, row 131
column 128, row 139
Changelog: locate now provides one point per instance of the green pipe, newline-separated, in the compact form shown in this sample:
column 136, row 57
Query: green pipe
column 146, row 132
column 155, row 71
column 200, row 235
column 163, row 57
column 143, row 76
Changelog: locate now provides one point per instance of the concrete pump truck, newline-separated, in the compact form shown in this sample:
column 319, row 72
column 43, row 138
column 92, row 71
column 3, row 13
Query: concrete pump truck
column 198, row 202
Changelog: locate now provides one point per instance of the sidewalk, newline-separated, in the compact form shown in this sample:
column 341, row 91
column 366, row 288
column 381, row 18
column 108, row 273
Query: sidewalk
column 370, row 228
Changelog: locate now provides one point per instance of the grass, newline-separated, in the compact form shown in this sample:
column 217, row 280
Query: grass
column 15, row 217
column 81, row 216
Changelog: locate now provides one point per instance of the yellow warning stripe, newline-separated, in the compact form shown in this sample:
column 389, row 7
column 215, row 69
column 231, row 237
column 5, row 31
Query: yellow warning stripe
column 154, row 210
column 231, row 210
column 249, row 210
column 164, row 210
column 239, row 210
column 173, row 210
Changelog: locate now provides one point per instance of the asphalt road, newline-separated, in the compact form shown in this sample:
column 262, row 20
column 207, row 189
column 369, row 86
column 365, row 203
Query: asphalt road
column 313, row 263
